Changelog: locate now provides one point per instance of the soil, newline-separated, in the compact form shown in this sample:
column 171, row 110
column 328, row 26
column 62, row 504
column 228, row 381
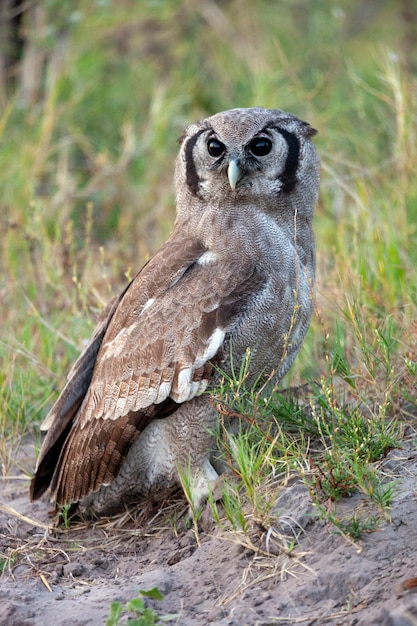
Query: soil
column 211, row 575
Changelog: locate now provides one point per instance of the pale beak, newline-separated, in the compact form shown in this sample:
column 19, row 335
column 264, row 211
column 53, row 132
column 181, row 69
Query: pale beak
column 234, row 173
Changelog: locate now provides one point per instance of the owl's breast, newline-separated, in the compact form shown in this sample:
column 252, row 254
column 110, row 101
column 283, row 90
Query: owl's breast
column 271, row 327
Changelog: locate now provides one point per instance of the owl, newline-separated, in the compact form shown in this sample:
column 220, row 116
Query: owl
column 235, row 276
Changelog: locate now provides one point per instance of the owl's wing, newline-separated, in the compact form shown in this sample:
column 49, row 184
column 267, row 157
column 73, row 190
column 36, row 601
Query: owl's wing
column 155, row 348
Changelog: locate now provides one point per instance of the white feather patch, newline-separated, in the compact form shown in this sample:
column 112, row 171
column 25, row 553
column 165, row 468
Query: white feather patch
column 147, row 305
column 213, row 344
column 163, row 392
column 184, row 385
column 189, row 391
column 120, row 406
column 207, row 258
column 116, row 346
column 187, row 388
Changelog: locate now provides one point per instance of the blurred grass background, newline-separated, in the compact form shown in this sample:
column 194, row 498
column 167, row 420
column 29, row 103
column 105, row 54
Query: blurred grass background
column 93, row 95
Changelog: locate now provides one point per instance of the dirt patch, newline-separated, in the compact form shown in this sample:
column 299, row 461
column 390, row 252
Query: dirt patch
column 72, row 577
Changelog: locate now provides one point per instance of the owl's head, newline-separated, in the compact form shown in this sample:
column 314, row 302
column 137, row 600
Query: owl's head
column 250, row 156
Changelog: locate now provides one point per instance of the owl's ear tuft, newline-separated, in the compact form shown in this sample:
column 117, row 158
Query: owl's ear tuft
column 309, row 131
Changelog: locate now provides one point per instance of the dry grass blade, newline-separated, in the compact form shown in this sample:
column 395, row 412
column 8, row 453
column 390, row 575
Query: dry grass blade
column 11, row 511
column 45, row 582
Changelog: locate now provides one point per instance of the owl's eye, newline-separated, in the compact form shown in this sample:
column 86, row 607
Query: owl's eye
column 260, row 146
column 215, row 148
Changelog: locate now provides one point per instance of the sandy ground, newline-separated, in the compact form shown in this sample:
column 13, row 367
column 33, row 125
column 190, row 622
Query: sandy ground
column 72, row 577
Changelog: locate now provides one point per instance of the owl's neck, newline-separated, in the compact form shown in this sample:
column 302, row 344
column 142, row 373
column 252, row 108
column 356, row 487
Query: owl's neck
column 242, row 230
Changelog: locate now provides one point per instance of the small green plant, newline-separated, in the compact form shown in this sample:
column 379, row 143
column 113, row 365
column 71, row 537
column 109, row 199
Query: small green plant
column 352, row 527
column 8, row 560
column 411, row 366
column 233, row 505
column 194, row 512
column 356, row 525
column 142, row 615
column 64, row 515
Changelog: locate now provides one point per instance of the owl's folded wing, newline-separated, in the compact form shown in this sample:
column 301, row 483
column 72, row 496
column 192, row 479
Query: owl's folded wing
column 156, row 347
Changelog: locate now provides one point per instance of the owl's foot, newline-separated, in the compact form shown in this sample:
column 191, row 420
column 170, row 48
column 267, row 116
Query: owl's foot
column 198, row 485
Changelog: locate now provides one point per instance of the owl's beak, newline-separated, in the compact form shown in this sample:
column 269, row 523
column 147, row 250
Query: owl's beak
column 234, row 173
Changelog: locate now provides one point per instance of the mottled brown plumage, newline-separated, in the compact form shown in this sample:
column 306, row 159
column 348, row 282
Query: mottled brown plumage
column 237, row 272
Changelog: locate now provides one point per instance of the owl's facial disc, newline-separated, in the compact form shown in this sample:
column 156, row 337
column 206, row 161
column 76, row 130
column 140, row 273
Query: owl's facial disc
column 251, row 158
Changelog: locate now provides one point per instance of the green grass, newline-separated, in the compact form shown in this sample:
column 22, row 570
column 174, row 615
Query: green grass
column 86, row 195
column 328, row 436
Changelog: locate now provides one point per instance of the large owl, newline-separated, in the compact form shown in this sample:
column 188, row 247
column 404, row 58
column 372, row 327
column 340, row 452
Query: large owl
column 237, row 272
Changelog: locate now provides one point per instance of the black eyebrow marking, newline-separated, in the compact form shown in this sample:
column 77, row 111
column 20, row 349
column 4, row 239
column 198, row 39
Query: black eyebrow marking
column 289, row 175
column 191, row 176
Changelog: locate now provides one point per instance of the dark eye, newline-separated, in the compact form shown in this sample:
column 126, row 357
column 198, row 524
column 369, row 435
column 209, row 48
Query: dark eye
column 260, row 146
column 215, row 148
